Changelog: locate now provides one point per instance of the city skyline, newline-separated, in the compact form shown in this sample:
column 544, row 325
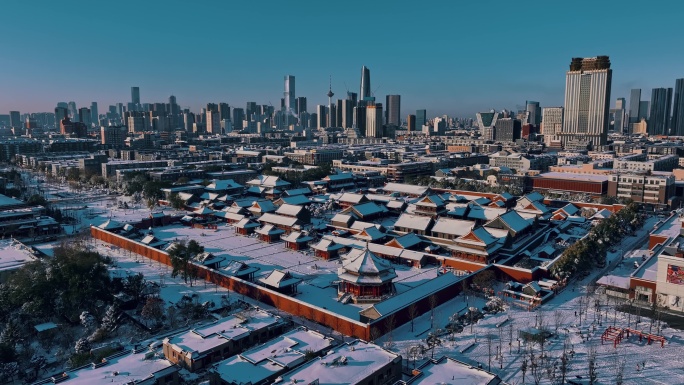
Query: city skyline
column 459, row 82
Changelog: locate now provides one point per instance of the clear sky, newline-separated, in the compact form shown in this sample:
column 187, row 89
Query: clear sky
column 450, row 57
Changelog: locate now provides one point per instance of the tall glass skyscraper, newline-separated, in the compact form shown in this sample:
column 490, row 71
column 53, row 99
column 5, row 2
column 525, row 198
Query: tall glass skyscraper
column 678, row 109
column 421, row 119
column 365, row 83
column 393, row 114
column 659, row 118
column 135, row 95
column 634, row 100
column 289, row 94
column 587, row 102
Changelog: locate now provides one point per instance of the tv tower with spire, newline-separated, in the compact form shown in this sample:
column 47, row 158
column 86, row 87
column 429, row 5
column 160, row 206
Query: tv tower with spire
column 331, row 107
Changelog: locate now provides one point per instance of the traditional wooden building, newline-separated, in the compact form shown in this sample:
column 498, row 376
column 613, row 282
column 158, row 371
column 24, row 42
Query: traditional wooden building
column 269, row 233
column 246, row 226
column 431, row 206
column 297, row 240
column 477, row 246
column 281, row 281
column 328, row 249
column 364, row 278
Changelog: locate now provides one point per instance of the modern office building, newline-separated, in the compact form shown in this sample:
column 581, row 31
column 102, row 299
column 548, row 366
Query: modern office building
column 301, row 105
column 659, row 118
column 678, row 109
column 289, row 95
column 552, row 125
column 135, row 95
column 360, row 118
column 322, row 119
column 487, row 123
column 411, row 123
column 393, row 113
column 238, row 118
column 347, row 114
column 421, row 119
column 15, row 119
column 643, row 109
column 94, row 115
column 508, row 129
column 634, row 100
column 374, row 121
column 84, row 116
column 534, row 113
column 365, row 83
column 213, row 120
column 587, row 101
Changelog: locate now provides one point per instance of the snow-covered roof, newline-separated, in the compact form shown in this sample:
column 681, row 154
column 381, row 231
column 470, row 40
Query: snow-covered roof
column 289, row 210
column 602, row 214
column 269, row 229
column 406, row 241
column 449, row 226
column 13, row 255
column 370, row 234
column 238, row 269
column 268, row 181
column 296, row 200
column 279, row 279
column 352, row 198
column 413, row 222
column 513, row 221
column 449, row 371
column 256, row 365
column 368, row 209
column 403, row 188
column 110, row 225
column 278, row 219
column 362, row 266
column 262, row 206
column 351, row 363
column 223, row 184
column 296, row 236
column 245, row 223
column 297, row 191
column 342, row 218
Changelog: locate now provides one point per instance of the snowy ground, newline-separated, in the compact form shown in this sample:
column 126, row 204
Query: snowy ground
column 662, row 365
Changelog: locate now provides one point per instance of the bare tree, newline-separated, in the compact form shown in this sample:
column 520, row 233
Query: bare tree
column 433, row 304
column 536, row 370
column 375, row 334
column 390, row 323
column 510, row 335
column 591, row 363
column 523, row 367
column 619, row 367
column 557, row 319
column 489, row 339
column 412, row 313
column 564, row 366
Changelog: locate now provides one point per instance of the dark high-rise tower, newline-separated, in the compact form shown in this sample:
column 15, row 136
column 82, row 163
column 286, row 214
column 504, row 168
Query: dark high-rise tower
column 135, row 95
column 94, row 115
column 301, row 105
column 534, row 110
column 634, row 100
column 411, row 123
column 678, row 109
column 421, row 119
column 365, row 84
column 393, row 113
column 659, row 118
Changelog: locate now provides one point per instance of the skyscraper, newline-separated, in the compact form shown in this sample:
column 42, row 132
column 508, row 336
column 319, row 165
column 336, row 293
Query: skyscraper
column 374, row 121
column 84, row 116
column 60, row 114
column 678, row 108
column 289, row 95
column 347, row 114
column 135, row 95
column 534, row 112
column 411, row 123
column 487, row 123
column 73, row 112
column 659, row 118
column 393, row 113
column 421, row 118
column 552, row 125
column 634, row 100
column 365, row 83
column 250, row 110
column 360, row 118
column 15, row 119
column 224, row 111
column 301, row 105
column 587, row 101
column 321, row 117
column 238, row 118
column 94, row 115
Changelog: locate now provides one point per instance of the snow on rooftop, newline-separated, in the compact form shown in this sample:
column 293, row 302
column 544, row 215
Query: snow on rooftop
column 125, row 369
column 13, row 255
column 450, row 371
column 350, row 364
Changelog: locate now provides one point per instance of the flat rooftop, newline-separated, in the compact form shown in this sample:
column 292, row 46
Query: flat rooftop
column 13, row 255
column 349, row 364
column 573, row 176
column 124, row 369
column 449, row 371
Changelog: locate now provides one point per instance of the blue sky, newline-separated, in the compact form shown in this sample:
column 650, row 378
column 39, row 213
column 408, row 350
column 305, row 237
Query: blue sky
column 449, row 57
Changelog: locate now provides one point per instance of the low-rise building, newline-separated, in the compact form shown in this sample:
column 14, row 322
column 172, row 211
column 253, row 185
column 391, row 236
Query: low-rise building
column 353, row 363
column 201, row 347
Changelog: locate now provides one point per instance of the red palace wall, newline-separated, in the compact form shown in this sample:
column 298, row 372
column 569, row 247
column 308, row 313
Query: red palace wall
column 288, row 304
